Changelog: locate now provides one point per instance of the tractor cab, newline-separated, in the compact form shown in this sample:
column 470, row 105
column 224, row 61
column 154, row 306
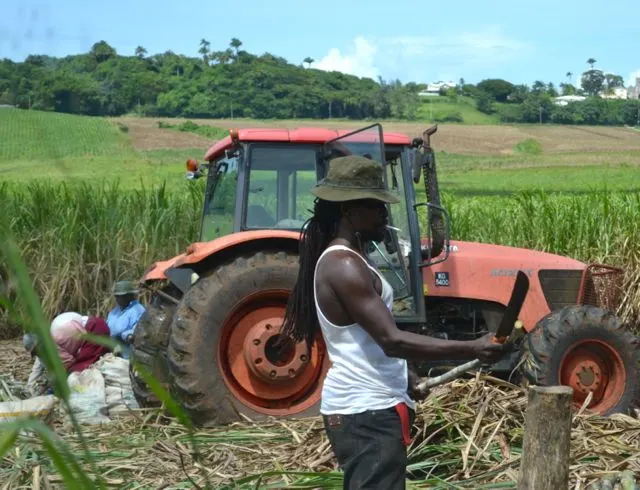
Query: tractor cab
column 263, row 181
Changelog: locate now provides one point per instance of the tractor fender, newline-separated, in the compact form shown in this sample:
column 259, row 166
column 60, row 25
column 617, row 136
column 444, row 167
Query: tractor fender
column 199, row 254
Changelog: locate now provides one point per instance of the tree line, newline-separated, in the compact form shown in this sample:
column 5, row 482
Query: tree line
column 537, row 104
column 219, row 84
column 234, row 83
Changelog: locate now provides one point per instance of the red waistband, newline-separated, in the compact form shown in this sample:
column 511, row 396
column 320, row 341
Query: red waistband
column 403, row 412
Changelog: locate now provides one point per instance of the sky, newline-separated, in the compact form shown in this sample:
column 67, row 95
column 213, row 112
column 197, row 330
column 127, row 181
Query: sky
column 406, row 40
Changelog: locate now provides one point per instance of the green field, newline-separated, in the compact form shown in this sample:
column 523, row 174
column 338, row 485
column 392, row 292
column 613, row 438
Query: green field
column 439, row 108
column 91, row 200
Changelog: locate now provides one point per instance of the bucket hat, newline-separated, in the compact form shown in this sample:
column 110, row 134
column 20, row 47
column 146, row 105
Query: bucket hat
column 353, row 177
column 124, row 287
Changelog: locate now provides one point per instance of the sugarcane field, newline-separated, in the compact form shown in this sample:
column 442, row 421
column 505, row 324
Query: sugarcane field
column 236, row 266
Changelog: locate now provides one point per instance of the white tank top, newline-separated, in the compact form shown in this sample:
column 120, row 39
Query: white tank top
column 361, row 376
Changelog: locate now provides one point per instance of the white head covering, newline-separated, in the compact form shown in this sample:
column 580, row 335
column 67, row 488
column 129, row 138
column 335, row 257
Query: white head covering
column 30, row 340
column 64, row 318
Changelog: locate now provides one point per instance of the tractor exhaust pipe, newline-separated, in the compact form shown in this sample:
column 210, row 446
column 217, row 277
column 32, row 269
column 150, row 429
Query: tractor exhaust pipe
column 436, row 221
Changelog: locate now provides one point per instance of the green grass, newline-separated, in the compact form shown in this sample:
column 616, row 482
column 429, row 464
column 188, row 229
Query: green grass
column 530, row 146
column 38, row 136
column 569, row 180
column 132, row 170
column 78, row 149
column 439, row 108
column 191, row 127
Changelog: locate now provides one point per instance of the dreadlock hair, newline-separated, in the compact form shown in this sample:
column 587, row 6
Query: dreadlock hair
column 300, row 318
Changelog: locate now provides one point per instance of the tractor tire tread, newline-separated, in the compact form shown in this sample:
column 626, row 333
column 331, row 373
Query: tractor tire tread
column 150, row 341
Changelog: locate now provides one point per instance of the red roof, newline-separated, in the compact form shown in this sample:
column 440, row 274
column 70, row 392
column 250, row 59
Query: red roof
column 301, row 135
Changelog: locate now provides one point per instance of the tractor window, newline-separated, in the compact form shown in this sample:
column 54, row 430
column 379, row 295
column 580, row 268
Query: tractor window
column 220, row 201
column 280, row 180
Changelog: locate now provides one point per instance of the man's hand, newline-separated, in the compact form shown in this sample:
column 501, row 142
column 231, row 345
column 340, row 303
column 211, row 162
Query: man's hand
column 412, row 385
column 488, row 351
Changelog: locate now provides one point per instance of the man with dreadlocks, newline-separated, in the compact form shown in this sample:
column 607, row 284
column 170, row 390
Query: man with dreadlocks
column 366, row 403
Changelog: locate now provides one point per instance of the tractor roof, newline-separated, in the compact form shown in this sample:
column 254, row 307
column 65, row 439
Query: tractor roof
column 300, row 135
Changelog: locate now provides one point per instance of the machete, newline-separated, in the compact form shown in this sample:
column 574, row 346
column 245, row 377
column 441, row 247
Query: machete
column 503, row 332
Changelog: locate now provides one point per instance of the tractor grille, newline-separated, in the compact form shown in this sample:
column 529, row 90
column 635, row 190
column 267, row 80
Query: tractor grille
column 560, row 287
column 601, row 286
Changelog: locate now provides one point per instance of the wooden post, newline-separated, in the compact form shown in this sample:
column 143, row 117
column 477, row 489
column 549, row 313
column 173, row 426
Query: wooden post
column 547, row 439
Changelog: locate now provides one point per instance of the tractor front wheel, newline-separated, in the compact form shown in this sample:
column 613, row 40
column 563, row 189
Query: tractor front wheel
column 584, row 347
column 149, row 347
column 221, row 354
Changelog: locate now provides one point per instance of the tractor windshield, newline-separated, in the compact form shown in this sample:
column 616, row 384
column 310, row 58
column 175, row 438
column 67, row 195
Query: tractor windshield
column 220, row 199
column 279, row 185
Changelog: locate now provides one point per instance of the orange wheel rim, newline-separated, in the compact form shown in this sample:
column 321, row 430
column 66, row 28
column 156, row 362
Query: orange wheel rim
column 594, row 366
column 269, row 381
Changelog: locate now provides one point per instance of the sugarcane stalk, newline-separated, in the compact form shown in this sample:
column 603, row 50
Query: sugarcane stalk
column 427, row 383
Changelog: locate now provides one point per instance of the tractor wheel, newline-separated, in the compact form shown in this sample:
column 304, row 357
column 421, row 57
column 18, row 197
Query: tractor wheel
column 221, row 352
column 149, row 348
column 584, row 347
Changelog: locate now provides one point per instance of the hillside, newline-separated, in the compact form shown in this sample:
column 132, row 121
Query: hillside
column 235, row 83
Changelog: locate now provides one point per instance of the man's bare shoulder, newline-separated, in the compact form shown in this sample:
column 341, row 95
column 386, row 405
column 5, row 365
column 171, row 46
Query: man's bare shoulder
column 341, row 265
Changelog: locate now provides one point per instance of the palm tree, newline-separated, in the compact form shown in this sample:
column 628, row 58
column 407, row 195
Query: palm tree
column 140, row 52
column 591, row 61
column 308, row 60
column 204, row 50
column 235, row 44
column 569, row 75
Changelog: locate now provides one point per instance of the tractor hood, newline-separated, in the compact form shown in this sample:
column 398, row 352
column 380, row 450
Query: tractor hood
column 486, row 272
column 526, row 258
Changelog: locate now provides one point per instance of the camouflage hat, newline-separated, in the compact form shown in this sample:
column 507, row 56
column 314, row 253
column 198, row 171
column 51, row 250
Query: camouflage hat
column 124, row 287
column 354, row 177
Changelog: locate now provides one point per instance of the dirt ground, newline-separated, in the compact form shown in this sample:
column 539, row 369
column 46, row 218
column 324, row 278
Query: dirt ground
column 14, row 360
column 146, row 135
column 462, row 139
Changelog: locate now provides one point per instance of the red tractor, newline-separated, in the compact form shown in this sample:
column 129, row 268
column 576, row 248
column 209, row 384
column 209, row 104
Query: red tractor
column 215, row 311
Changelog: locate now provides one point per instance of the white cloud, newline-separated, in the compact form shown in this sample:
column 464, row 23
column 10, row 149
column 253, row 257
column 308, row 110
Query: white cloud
column 358, row 61
column 418, row 58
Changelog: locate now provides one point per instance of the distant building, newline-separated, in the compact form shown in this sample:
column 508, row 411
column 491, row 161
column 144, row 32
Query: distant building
column 433, row 89
column 633, row 92
column 566, row 99
column 618, row 93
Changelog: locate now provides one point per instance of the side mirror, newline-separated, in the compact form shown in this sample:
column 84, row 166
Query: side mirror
column 193, row 169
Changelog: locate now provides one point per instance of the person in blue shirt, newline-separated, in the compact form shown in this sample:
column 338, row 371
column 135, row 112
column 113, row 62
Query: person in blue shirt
column 122, row 319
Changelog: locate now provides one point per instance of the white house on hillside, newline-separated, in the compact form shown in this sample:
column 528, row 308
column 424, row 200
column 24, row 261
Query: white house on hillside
column 566, row 99
column 434, row 88
column 618, row 93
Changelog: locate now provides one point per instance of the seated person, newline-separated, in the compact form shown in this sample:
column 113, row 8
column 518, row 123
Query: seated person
column 77, row 354
column 124, row 317
column 37, row 381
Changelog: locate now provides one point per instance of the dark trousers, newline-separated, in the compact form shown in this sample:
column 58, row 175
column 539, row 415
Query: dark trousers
column 369, row 448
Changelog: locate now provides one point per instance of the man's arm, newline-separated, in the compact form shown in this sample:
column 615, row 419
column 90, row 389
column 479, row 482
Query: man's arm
column 351, row 281
column 132, row 318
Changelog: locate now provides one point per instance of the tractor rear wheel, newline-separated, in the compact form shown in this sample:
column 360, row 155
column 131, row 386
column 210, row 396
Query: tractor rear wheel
column 584, row 347
column 221, row 351
column 149, row 348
